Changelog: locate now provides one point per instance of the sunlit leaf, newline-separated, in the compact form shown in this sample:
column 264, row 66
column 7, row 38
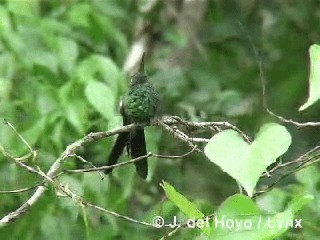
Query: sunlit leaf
column 101, row 97
column 183, row 203
column 314, row 79
column 240, row 217
column 245, row 162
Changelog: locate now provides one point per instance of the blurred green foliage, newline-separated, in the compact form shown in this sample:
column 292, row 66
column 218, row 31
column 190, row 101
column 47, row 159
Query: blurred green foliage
column 61, row 77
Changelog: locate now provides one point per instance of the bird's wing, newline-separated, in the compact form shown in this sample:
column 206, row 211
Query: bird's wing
column 125, row 121
column 121, row 142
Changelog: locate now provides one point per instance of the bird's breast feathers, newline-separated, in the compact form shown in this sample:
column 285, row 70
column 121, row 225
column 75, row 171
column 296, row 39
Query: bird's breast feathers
column 141, row 103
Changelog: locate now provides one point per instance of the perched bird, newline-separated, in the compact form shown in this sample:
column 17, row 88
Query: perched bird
column 138, row 105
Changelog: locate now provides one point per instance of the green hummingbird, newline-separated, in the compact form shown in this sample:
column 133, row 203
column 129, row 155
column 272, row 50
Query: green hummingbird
column 138, row 105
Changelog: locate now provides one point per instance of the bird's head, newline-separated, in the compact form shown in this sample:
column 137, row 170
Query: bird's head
column 140, row 77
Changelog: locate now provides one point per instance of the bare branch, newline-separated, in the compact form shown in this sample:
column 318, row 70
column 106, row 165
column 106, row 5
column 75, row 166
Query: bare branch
column 170, row 124
column 173, row 120
column 16, row 132
column 24, row 208
column 298, row 124
column 20, row 190
column 314, row 152
column 117, row 214
column 70, row 151
column 87, row 162
column 129, row 162
column 307, row 159
column 178, row 135
column 111, row 166
column 264, row 97
column 178, row 156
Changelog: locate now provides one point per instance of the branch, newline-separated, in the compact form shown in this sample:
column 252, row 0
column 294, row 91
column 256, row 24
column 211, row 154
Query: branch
column 167, row 122
column 56, row 166
column 20, row 190
column 307, row 159
column 129, row 162
column 175, row 120
column 69, row 151
column 69, row 193
column 111, row 166
column 264, row 98
column 16, row 132
column 180, row 136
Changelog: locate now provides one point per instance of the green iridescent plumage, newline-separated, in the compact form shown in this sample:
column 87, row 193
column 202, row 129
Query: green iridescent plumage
column 139, row 105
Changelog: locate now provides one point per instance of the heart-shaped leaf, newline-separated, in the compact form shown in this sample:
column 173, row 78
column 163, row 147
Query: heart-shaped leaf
column 246, row 162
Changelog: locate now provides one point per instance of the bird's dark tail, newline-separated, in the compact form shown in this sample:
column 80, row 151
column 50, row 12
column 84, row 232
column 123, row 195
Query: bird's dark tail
column 121, row 143
column 138, row 148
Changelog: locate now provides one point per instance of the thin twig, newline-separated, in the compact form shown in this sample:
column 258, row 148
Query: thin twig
column 305, row 161
column 129, row 162
column 171, row 233
column 18, row 134
column 90, row 163
column 20, row 190
column 264, row 98
column 109, row 167
column 117, row 214
column 53, row 171
column 177, row 120
column 72, row 195
column 178, row 156
column 56, row 166
column 304, row 158
column 178, row 135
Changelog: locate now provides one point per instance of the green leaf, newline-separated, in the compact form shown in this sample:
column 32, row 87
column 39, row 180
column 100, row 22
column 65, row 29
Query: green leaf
column 68, row 53
column 239, row 217
column 24, row 8
column 245, row 162
column 99, row 67
column 183, row 203
column 76, row 114
column 78, row 14
column 58, row 130
column 43, row 59
column 298, row 202
column 47, row 100
column 5, row 85
column 314, row 79
column 309, row 177
column 35, row 131
column 5, row 23
column 101, row 97
column 273, row 201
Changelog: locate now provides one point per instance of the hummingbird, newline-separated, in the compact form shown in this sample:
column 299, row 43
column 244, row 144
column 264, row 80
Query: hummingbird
column 138, row 105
